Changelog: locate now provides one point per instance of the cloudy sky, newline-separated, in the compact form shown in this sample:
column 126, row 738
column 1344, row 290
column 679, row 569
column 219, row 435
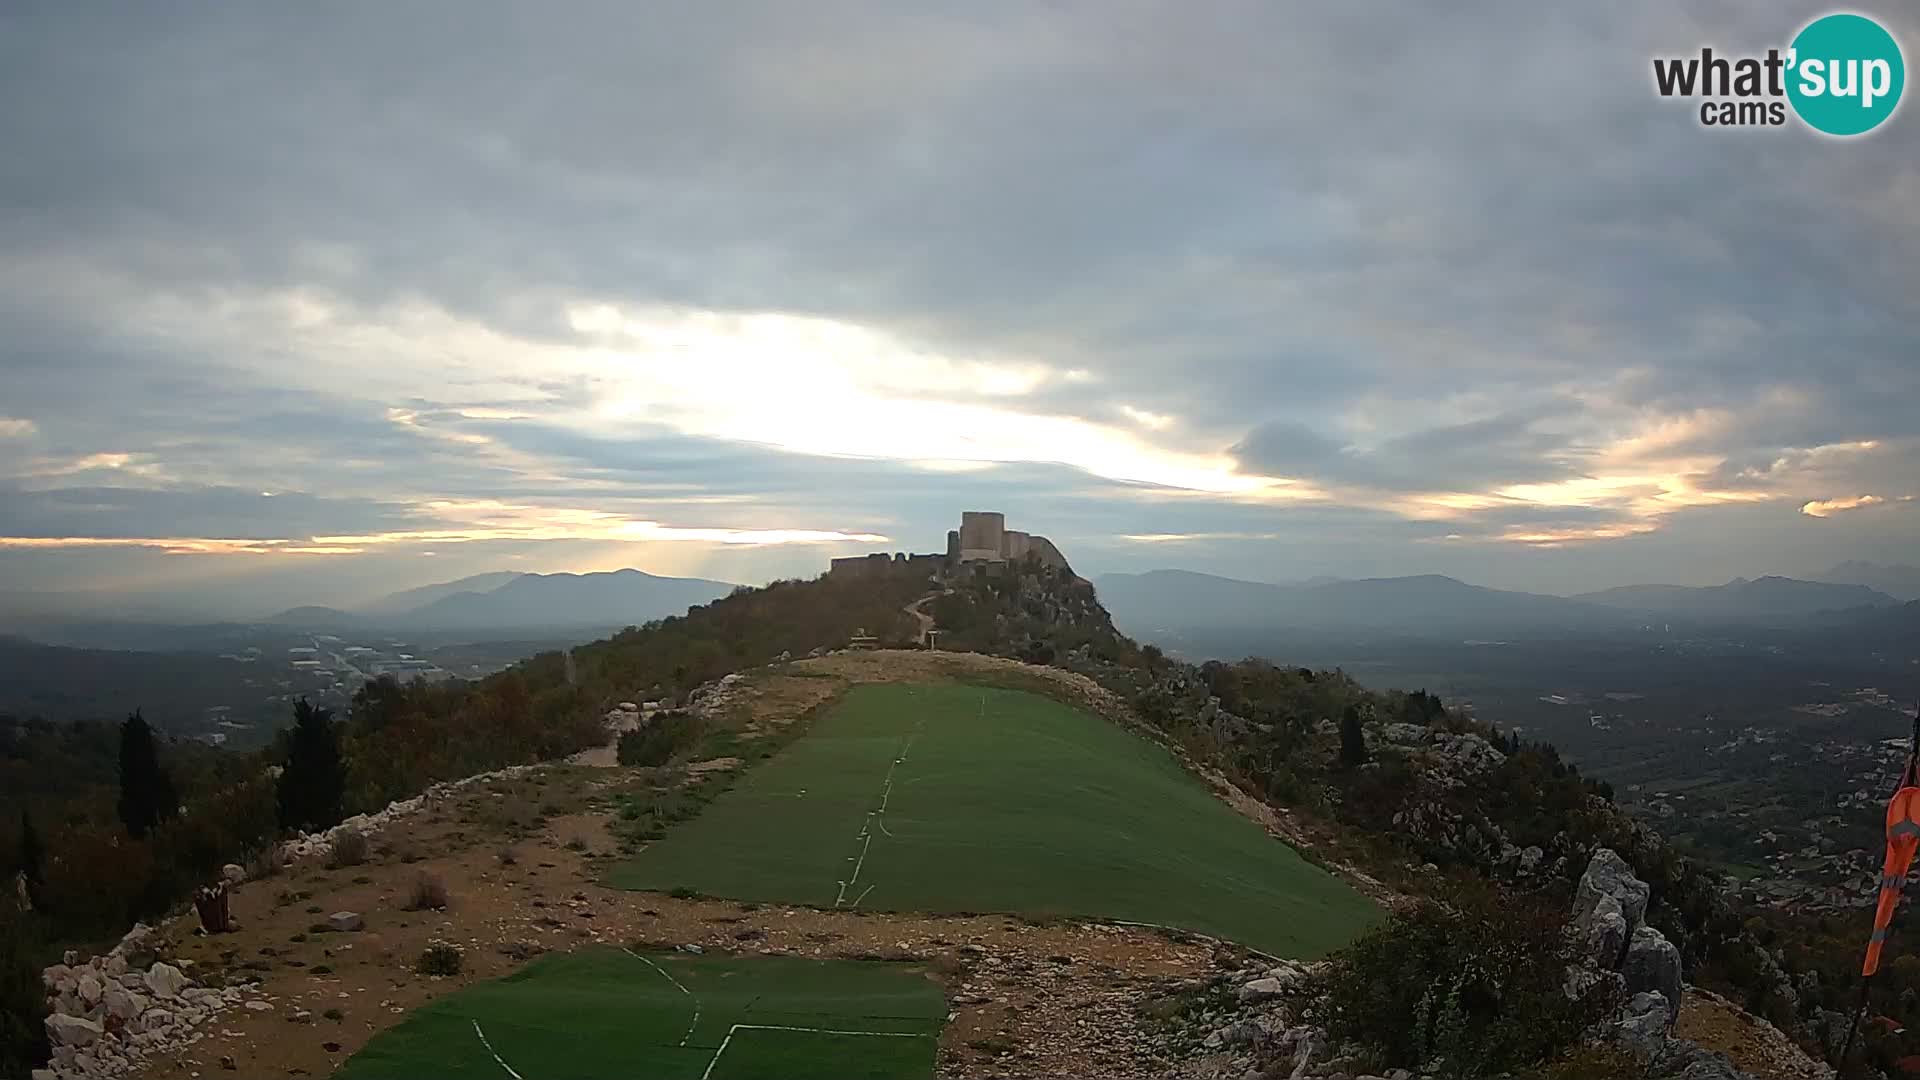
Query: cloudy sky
column 306, row 302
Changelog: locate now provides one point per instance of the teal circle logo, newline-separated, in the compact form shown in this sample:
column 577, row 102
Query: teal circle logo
column 1846, row 74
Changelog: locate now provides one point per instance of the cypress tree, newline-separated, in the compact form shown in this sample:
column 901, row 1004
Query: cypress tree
column 313, row 784
column 1353, row 740
column 147, row 797
column 33, row 854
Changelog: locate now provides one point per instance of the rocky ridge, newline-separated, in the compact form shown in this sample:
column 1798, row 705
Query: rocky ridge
column 1260, row 1021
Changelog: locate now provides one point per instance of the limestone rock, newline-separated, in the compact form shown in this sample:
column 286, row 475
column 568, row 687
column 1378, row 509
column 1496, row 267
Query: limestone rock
column 233, row 873
column 1652, row 963
column 89, row 988
column 1404, row 734
column 345, row 921
column 64, row 1030
column 1605, row 932
column 122, row 1004
column 1642, row 1028
column 166, row 981
column 1265, row 989
column 1609, row 875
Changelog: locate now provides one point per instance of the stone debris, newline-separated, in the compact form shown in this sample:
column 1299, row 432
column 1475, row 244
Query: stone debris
column 114, row 1014
column 320, row 845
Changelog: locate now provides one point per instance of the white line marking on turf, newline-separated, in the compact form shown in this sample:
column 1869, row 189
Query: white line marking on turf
column 677, row 986
column 496, row 1056
column 865, row 835
column 855, row 879
column 811, row 1031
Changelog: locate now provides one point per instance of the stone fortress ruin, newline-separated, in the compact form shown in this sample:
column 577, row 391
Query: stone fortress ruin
column 982, row 545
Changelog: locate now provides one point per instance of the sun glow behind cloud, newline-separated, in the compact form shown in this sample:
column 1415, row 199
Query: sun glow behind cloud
column 819, row 386
column 464, row 522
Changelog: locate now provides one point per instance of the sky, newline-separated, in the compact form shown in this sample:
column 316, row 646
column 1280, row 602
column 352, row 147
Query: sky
column 304, row 304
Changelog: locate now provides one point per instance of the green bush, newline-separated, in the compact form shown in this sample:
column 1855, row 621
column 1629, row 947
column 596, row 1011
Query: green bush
column 23, row 1006
column 666, row 735
column 1466, row 987
column 440, row 958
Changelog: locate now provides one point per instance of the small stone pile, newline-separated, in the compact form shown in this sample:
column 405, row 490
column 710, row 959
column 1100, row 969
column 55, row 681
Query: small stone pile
column 113, row 1013
column 1255, row 1028
column 710, row 699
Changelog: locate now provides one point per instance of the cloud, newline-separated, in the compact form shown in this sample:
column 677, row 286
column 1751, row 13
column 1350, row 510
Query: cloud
column 1828, row 507
column 734, row 271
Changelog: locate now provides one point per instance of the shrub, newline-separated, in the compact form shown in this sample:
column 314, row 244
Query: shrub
column 23, row 1006
column 350, row 848
column 1466, row 987
column 265, row 863
column 668, row 734
column 440, row 958
column 429, row 893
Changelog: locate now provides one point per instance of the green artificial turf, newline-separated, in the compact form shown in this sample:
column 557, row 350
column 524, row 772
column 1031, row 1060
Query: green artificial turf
column 607, row 1012
column 997, row 801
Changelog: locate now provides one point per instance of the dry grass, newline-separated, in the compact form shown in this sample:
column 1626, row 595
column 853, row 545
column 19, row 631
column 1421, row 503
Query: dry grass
column 429, row 893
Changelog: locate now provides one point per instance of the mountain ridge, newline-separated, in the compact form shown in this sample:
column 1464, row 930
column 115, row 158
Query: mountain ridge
column 610, row 598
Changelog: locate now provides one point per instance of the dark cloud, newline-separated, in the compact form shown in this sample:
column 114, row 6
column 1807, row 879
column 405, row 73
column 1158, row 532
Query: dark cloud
column 1383, row 251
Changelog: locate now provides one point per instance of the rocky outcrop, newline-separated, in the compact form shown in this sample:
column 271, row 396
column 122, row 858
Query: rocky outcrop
column 1608, row 875
column 1652, row 964
column 1636, row 961
column 1604, row 931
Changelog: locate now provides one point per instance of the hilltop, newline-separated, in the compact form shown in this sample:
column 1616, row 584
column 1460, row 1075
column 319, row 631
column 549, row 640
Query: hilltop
column 1402, row 799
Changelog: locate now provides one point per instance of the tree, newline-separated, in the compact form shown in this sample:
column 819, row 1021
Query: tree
column 147, row 797
column 32, row 854
column 23, row 1000
column 314, row 782
column 1353, row 740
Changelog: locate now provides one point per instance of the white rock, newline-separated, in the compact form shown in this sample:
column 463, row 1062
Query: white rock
column 122, row 1004
column 90, row 988
column 233, row 873
column 345, row 921
column 1262, row 990
column 259, row 1006
column 64, row 1030
column 165, row 980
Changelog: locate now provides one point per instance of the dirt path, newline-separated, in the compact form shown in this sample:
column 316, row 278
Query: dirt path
column 926, row 621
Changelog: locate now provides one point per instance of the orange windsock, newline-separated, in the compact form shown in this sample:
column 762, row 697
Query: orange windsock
column 1903, row 836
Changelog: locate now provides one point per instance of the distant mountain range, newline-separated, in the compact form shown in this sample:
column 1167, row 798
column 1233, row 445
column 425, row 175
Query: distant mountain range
column 1430, row 603
column 1741, row 598
column 514, row 602
column 1162, row 599
column 1899, row 582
